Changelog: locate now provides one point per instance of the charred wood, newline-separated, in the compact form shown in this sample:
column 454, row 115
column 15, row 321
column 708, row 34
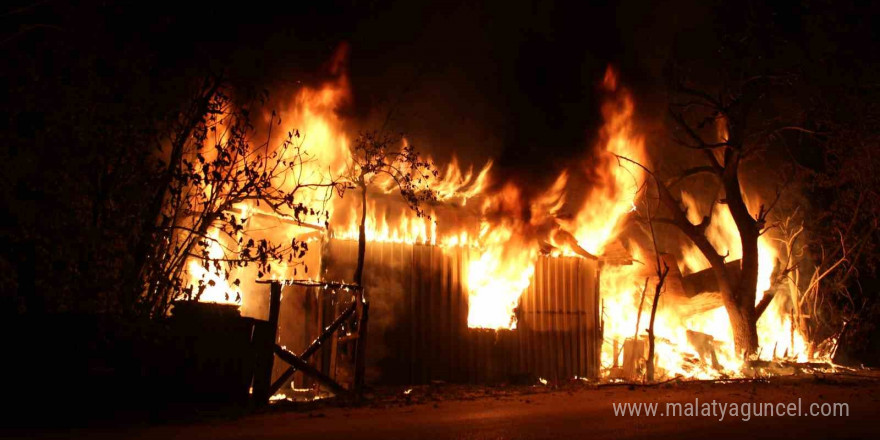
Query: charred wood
column 706, row 281
column 265, row 334
column 303, row 366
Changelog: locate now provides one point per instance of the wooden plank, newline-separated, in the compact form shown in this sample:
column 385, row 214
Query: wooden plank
column 303, row 366
column 315, row 345
column 361, row 345
column 264, row 340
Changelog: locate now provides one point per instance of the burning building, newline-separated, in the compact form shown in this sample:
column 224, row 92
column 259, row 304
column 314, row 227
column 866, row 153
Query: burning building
column 488, row 281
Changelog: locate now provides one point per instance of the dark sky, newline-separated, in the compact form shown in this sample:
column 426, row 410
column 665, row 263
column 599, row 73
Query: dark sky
column 512, row 80
column 517, row 81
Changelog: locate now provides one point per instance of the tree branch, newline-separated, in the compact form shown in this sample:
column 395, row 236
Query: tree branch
column 691, row 172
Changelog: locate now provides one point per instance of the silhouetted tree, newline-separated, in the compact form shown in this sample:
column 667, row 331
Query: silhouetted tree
column 375, row 160
column 215, row 169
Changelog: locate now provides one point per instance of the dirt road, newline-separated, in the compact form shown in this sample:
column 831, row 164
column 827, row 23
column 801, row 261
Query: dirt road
column 570, row 412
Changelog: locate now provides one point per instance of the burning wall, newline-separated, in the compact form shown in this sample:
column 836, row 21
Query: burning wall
column 420, row 322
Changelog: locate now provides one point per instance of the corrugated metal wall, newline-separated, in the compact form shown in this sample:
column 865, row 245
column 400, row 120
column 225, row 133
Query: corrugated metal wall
column 418, row 317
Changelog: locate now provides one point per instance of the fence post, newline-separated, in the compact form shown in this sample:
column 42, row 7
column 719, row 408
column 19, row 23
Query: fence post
column 265, row 334
column 361, row 347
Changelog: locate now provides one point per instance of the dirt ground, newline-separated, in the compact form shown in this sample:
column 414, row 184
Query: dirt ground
column 572, row 410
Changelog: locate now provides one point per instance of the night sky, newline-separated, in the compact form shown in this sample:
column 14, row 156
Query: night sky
column 517, row 82
column 509, row 81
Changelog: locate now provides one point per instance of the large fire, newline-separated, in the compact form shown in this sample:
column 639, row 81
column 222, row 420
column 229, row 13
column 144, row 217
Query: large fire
column 617, row 183
column 507, row 252
column 507, row 231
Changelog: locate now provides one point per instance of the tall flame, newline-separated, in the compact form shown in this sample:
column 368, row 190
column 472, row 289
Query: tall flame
column 508, row 250
column 678, row 318
column 617, row 180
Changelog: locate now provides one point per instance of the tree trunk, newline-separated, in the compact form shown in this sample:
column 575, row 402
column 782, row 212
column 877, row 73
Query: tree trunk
column 739, row 302
column 744, row 325
column 650, row 364
column 740, row 299
column 362, row 236
column 745, row 329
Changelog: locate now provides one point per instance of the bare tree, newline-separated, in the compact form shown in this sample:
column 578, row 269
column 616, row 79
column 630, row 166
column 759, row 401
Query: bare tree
column 843, row 228
column 661, row 267
column 180, row 130
column 699, row 117
column 215, row 167
column 661, row 272
column 376, row 160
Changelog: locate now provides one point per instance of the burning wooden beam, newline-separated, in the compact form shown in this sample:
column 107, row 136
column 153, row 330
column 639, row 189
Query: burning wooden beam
column 704, row 344
column 705, row 280
column 264, row 339
column 303, row 366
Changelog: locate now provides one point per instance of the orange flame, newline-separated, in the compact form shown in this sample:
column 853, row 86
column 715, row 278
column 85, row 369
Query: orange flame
column 508, row 250
column 614, row 194
column 622, row 287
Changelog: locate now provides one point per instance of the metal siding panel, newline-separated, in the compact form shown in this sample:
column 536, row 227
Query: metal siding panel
column 541, row 352
column 547, row 321
column 576, row 318
column 456, row 310
column 436, row 314
column 596, row 346
column 529, row 334
column 557, row 319
column 557, row 335
column 446, row 316
column 428, row 307
column 593, row 333
column 552, row 316
column 537, row 358
column 562, row 319
column 413, row 299
column 569, row 318
column 582, row 318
